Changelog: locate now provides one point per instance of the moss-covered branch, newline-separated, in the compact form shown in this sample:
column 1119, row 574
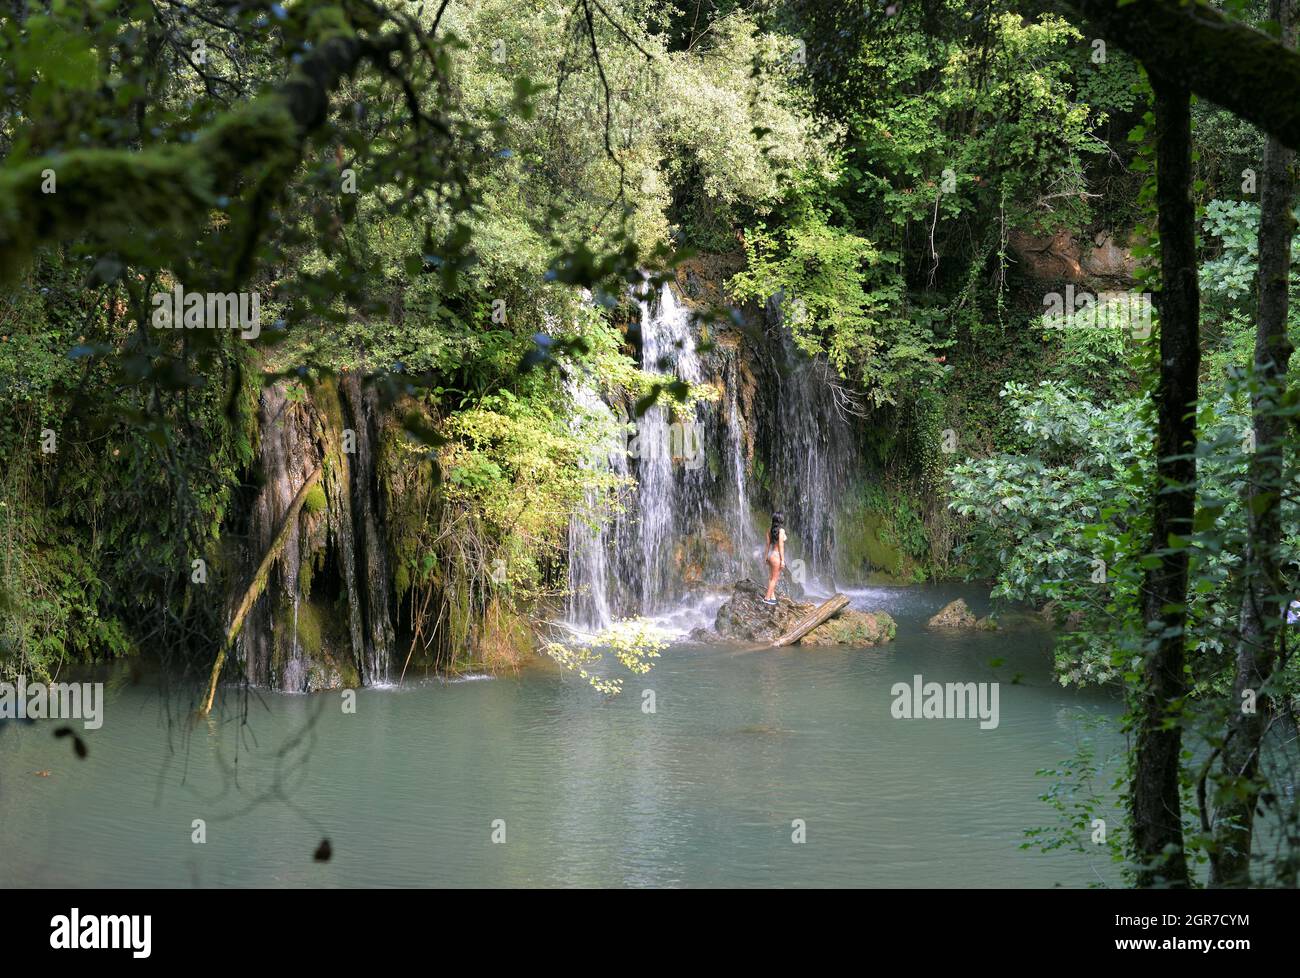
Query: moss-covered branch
column 1226, row 62
column 111, row 192
column 257, row 586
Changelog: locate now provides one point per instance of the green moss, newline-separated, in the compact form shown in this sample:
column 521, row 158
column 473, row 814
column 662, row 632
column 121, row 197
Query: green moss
column 862, row 544
column 323, row 639
column 306, row 571
column 315, row 501
column 854, row 628
column 310, row 629
column 882, row 554
column 325, row 394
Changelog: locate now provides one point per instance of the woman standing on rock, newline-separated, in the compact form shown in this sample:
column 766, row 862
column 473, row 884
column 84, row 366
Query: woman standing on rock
column 774, row 554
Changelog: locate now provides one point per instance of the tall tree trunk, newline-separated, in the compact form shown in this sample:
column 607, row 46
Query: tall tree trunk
column 1154, row 799
column 1262, row 608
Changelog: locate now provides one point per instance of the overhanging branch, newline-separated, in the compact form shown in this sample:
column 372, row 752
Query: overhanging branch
column 113, row 191
column 1225, row 62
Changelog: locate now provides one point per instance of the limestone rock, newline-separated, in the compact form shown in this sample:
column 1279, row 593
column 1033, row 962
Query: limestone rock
column 1061, row 257
column 954, row 615
column 1047, row 257
column 1109, row 260
column 853, row 628
column 745, row 617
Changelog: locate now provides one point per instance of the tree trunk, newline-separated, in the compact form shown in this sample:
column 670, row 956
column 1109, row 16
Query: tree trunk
column 1154, row 799
column 1263, row 609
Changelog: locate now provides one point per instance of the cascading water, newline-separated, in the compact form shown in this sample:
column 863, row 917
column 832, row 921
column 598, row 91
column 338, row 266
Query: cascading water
column 740, row 524
column 687, row 522
column 812, row 457
column 594, row 528
column 369, row 579
column 672, row 490
column 324, row 556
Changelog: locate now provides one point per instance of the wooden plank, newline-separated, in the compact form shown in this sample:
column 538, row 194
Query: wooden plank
column 827, row 609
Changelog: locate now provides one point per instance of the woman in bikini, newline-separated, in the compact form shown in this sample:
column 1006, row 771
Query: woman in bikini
column 774, row 554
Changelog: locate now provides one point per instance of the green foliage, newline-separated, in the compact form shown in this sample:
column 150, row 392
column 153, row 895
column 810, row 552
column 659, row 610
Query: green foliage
column 83, row 571
column 1064, row 517
column 1095, row 353
column 945, row 141
column 839, row 300
column 632, row 642
column 1228, row 278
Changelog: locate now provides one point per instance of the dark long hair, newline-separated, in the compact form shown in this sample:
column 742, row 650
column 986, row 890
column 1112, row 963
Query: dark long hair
column 778, row 523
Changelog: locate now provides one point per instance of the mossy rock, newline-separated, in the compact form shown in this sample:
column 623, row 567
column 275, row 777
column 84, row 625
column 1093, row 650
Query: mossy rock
column 954, row 614
column 324, row 643
column 746, row 617
column 861, row 628
column 331, row 673
column 864, row 544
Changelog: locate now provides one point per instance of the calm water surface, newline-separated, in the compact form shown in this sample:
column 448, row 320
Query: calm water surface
column 592, row 792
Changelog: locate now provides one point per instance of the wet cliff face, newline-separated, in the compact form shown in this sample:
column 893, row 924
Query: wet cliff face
column 325, row 618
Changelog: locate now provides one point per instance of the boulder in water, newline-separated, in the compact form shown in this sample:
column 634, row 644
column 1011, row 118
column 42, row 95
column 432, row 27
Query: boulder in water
column 954, row 615
column 853, row 628
column 744, row 616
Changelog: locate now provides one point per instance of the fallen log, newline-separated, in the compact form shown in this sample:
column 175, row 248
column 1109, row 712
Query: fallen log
column 827, row 609
column 256, row 588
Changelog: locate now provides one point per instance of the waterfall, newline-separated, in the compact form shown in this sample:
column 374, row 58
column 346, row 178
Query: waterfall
column 812, row 458
column 687, row 521
column 740, row 523
column 688, row 524
column 285, row 451
column 339, row 553
column 672, row 491
column 593, row 529
column 369, row 580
